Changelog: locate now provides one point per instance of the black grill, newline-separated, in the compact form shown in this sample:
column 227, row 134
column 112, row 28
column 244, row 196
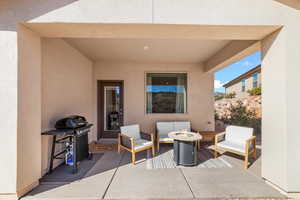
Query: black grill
column 71, row 122
column 74, row 130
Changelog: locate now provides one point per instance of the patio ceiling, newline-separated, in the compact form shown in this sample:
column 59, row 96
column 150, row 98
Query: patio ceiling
column 216, row 46
column 148, row 50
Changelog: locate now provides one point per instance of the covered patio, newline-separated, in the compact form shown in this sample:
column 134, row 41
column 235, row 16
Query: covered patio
column 68, row 83
column 112, row 176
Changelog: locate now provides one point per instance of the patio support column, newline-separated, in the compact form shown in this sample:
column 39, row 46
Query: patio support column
column 280, row 103
column 29, row 149
column 20, row 102
column 8, row 110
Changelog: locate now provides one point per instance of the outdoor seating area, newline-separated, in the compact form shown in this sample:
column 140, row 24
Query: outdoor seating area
column 137, row 165
column 237, row 140
column 111, row 175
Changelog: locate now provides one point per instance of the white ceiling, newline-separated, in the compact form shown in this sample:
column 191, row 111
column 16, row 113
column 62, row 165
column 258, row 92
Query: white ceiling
column 148, row 50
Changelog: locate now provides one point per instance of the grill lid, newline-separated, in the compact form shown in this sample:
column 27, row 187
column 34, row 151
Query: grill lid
column 71, row 122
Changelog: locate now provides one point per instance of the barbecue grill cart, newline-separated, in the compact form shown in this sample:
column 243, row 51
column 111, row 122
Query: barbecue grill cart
column 74, row 133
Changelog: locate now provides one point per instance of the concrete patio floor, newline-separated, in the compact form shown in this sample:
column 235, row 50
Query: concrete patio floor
column 114, row 177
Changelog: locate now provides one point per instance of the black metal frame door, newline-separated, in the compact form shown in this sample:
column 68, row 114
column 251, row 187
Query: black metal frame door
column 102, row 133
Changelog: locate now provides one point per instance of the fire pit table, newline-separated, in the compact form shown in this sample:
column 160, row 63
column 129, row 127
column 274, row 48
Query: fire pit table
column 185, row 147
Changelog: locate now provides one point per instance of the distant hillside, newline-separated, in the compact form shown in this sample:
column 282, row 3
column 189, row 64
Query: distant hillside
column 219, row 95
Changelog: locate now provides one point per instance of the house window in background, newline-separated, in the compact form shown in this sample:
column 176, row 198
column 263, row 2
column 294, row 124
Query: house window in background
column 166, row 92
column 255, row 80
column 243, row 85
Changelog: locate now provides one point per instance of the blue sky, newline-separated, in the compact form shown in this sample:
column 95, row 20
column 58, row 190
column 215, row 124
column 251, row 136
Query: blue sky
column 232, row 71
column 169, row 88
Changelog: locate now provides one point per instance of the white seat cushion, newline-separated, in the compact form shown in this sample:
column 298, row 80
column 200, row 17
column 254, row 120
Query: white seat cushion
column 232, row 145
column 166, row 139
column 140, row 143
column 164, row 128
column 238, row 134
column 178, row 126
column 131, row 131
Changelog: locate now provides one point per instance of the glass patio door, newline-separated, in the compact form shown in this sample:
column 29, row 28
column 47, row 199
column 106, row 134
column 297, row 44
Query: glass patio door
column 110, row 104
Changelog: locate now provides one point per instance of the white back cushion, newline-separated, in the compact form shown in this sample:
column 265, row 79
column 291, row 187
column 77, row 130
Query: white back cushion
column 163, row 128
column 178, row 126
column 131, row 131
column 238, row 134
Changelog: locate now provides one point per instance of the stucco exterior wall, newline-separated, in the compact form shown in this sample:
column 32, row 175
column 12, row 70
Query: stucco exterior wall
column 293, row 99
column 29, row 109
column 274, row 111
column 66, row 87
column 200, row 100
column 8, row 102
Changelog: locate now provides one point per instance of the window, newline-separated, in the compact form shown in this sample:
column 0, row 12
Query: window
column 255, row 80
column 243, row 85
column 166, row 92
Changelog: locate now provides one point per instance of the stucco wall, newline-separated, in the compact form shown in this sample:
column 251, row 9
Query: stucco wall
column 293, row 99
column 274, row 121
column 29, row 108
column 8, row 102
column 66, row 87
column 200, row 89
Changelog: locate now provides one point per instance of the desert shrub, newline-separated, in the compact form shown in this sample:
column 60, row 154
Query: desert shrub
column 254, row 91
column 219, row 97
column 241, row 116
column 230, row 95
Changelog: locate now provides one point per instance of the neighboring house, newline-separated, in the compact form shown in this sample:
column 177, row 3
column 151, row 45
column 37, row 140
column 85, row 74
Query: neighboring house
column 245, row 82
column 146, row 61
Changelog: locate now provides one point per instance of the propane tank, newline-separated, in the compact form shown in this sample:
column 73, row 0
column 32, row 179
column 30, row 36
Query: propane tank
column 69, row 155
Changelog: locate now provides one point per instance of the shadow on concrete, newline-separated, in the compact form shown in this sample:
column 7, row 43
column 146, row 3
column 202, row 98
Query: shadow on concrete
column 96, row 175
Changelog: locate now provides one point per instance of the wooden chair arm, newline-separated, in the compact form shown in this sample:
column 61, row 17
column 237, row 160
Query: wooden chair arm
column 125, row 136
column 152, row 138
column 217, row 136
column 128, row 138
column 251, row 140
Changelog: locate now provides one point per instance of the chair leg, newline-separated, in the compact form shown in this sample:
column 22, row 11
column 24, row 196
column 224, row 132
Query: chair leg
column 157, row 146
column 246, row 161
column 119, row 148
column 254, row 153
column 133, row 157
column 198, row 145
column 215, row 152
column 153, row 150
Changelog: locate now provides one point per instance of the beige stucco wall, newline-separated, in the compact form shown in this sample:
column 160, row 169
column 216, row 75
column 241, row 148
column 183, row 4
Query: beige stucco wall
column 29, row 108
column 293, row 99
column 237, row 87
column 8, row 102
column 274, row 128
column 199, row 95
column 66, row 87
column 281, row 63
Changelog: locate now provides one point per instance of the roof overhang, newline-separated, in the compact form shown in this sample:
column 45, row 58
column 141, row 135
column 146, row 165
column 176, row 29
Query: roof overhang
column 292, row 3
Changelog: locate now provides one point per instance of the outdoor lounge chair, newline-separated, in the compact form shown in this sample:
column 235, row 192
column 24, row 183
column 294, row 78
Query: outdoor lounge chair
column 238, row 140
column 133, row 140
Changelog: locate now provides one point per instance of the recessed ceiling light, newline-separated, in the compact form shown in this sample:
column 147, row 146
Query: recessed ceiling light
column 146, row 47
